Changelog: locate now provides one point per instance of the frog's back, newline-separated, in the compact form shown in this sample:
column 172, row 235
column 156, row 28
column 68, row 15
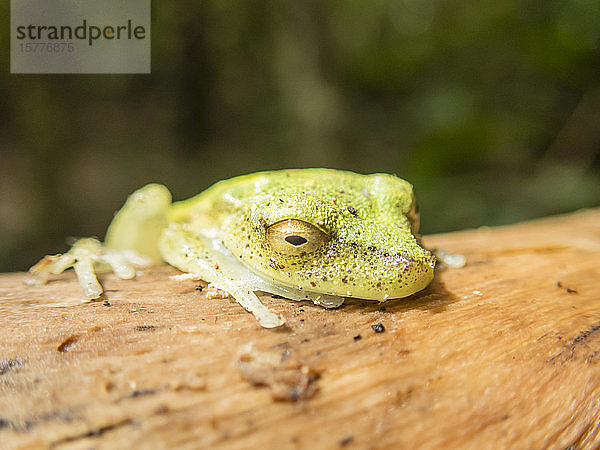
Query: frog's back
column 380, row 194
column 318, row 181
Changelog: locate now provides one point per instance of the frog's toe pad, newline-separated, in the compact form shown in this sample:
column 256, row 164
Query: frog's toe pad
column 329, row 301
column 269, row 319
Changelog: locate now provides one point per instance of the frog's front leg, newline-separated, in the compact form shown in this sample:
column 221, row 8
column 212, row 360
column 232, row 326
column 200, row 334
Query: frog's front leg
column 201, row 252
column 131, row 240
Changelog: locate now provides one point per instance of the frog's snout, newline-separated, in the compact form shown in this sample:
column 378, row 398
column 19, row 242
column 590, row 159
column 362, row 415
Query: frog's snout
column 403, row 275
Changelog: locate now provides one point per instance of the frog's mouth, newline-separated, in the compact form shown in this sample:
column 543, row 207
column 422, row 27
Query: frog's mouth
column 406, row 277
column 416, row 276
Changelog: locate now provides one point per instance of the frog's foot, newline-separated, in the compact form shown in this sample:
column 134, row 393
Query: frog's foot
column 204, row 255
column 82, row 257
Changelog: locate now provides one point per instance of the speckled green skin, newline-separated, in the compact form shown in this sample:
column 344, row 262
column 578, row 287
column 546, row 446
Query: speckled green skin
column 372, row 252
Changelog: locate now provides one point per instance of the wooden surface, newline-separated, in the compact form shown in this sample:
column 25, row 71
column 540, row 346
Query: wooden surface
column 493, row 355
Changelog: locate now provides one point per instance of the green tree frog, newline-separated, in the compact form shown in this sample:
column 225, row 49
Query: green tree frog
column 303, row 234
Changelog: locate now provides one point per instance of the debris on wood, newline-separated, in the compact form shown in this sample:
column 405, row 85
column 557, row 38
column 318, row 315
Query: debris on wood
column 278, row 368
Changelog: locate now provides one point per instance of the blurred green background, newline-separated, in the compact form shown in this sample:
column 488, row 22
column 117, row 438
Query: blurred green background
column 491, row 109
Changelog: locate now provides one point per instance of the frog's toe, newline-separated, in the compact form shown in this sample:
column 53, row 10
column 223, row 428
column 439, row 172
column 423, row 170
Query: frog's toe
column 48, row 265
column 269, row 319
column 84, row 268
column 329, row 301
column 81, row 257
column 123, row 262
column 77, row 258
column 251, row 303
column 119, row 266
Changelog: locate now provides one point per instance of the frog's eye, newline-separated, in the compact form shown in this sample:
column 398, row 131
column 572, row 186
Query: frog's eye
column 293, row 237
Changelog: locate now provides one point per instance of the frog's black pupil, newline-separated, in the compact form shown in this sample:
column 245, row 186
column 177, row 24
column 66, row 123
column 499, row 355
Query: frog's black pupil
column 296, row 240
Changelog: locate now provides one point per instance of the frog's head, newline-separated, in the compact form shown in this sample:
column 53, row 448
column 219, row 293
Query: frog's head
column 340, row 234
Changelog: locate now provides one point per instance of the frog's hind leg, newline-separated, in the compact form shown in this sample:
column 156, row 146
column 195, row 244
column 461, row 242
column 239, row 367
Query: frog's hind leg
column 83, row 256
column 131, row 240
column 198, row 253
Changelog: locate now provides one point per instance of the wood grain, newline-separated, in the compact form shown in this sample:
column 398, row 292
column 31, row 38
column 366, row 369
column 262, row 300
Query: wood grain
column 497, row 354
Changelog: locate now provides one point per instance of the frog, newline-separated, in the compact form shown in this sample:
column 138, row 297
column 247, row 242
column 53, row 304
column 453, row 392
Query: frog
column 322, row 235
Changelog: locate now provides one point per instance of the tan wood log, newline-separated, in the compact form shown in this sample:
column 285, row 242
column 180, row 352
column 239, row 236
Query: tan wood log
column 503, row 353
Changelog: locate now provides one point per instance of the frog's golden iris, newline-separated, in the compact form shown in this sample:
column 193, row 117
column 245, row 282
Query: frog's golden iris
column 294, row 237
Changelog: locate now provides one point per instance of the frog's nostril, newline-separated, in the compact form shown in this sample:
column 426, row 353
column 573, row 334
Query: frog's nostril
column 296, row 240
